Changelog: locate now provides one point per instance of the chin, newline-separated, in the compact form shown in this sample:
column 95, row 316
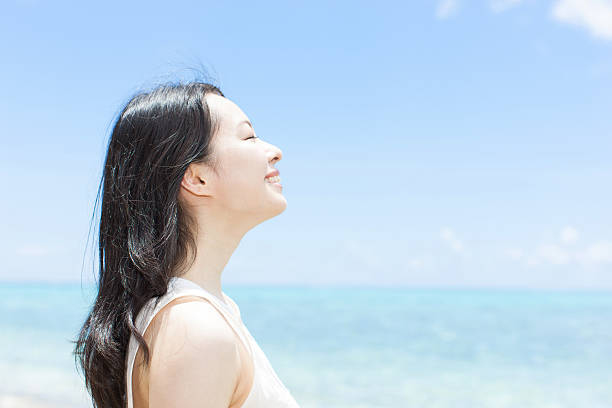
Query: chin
column 278, row 207
column 281, row 206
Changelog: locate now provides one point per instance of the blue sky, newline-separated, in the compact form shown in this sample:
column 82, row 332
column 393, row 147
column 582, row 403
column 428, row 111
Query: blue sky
column 431, row 144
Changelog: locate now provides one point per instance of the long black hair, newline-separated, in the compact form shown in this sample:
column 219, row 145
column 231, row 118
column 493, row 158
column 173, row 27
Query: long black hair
column 145, row 235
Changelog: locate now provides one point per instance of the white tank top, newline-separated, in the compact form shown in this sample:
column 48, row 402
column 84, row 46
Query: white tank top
column 267, row 391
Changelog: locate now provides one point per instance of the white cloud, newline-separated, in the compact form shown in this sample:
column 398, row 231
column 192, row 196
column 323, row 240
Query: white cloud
column 514, row 253
column 569, row 235
column 449, row 236
column 533, row 261
column 446, row 8
column 416, row 263
column 594, row 15
column 599, row 252
column 553, row 254
column 499, row 6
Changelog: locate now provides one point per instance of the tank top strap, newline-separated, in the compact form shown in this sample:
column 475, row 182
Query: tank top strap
column 184, row 287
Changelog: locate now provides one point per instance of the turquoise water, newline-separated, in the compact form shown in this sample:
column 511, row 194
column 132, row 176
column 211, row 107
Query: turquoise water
column 360, row 347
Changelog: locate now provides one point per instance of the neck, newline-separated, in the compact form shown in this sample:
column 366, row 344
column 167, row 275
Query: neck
column 215, row 245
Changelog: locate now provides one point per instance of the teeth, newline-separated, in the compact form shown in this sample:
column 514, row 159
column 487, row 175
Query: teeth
column 275, row 179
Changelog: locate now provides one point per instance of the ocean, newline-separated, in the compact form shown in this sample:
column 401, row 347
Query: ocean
column 357, row 346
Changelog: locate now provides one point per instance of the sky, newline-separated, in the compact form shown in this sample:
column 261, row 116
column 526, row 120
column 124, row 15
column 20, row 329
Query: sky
column 425, row 144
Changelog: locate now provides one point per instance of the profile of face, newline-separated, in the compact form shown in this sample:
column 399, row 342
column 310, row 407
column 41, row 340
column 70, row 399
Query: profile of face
column 238, row 189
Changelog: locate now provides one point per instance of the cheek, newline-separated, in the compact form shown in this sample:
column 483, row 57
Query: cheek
column 244, row 167
column 242, row 180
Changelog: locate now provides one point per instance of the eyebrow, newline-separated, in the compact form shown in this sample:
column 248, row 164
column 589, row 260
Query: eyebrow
column 247, row 122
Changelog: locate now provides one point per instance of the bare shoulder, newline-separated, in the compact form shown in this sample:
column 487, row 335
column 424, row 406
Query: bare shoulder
column 194, row 316
column 194, row 356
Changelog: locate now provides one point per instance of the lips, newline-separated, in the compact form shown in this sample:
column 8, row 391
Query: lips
column 273, row 173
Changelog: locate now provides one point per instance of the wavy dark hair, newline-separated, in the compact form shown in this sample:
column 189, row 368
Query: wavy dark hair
column 145, row 235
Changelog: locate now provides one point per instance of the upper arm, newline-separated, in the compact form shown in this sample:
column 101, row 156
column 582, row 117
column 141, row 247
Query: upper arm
column 195, row 360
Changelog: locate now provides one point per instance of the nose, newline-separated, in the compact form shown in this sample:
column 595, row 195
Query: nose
column 275, row 153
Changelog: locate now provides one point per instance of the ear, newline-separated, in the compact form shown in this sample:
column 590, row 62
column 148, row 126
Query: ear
column 196, row 180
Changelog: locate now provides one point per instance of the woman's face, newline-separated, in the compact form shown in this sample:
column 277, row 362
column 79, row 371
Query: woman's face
column 244, row 161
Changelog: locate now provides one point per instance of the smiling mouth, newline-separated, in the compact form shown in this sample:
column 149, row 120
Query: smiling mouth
column 278, row 185
column 273, row 180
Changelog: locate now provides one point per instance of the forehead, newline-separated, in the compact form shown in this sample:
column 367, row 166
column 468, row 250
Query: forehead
column 229, row 115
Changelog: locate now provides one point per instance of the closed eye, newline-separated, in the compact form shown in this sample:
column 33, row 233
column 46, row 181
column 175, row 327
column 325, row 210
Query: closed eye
column 252, row 137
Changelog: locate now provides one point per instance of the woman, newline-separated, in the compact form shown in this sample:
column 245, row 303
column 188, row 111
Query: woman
column 185, row 178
